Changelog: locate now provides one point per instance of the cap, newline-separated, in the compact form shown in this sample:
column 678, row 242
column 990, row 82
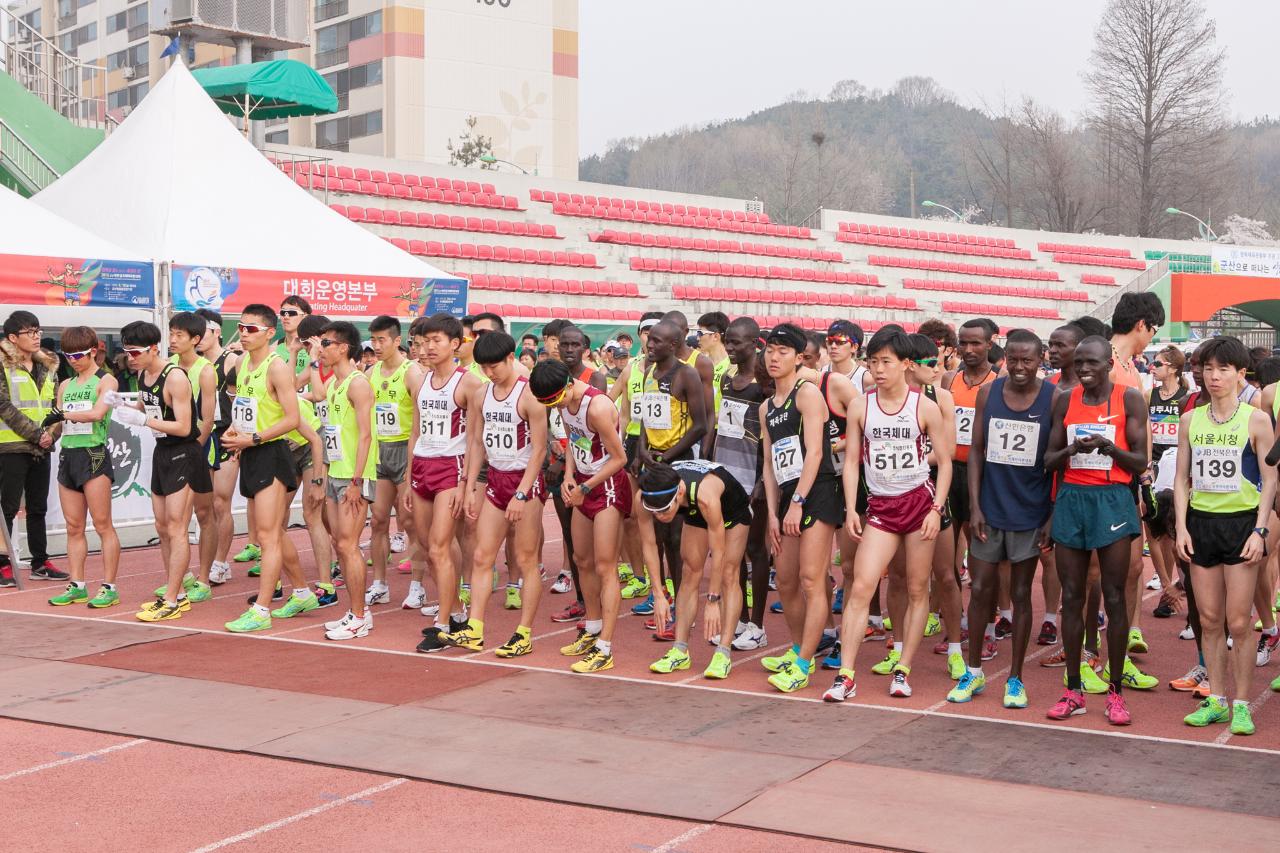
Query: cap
column 846, row 328
column 789, row 336
column 367, row 345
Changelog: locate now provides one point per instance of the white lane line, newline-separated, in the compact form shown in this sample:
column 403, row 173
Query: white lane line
column 674, row 844
column 1265, row 695
column 312, row 812
column 73, row 759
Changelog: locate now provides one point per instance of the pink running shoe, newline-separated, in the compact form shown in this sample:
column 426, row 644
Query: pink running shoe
column 1117, row 713
column 1070, row 705
column 989, row 649
column 404, row 567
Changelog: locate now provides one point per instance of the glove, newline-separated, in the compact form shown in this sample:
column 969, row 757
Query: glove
column 113, row 398
column 130, row 416
column 54, row 417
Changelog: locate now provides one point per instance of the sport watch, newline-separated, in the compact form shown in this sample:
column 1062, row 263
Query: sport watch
column 520, row 496
column 257, row 439
column 797, row 498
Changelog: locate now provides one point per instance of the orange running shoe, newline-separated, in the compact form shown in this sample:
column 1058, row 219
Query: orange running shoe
column 1192, row 680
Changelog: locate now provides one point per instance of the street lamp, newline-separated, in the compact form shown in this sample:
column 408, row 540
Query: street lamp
column 490, row 159
column 1205, row 230
column 927, row 203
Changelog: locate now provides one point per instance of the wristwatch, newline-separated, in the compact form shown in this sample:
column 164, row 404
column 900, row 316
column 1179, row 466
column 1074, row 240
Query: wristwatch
column 315, row 481
column 257, row 438
column 586, row 490
column 520, row 496
column 1262, row 531
column 358, row 482
column 797, row 498
column 713, row 597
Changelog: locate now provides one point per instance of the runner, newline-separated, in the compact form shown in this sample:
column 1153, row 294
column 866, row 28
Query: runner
column 844, row 347
column 186, row 331
column 290, row 348
column 1223, row 499
column 510, row 436
column 838, row 392
column 1164, row 410
column 686, row 353
column 84, row 468
column 313, row 412
column 596, row 488
column 717, row 516
column 352, row 449
column 894, row 426
column 1009, row 492
column 226, row 465
column 964, row 384
column 1098, row 441
column 710, row 333
column 438, row 477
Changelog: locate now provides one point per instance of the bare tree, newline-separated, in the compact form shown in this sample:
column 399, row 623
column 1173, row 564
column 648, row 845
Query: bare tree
column 995, row 155
column 1156, row 78
column 919, row 92
column 1057, row 186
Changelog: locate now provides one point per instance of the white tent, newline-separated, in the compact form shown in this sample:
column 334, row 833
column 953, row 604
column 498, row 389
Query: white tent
column 177, row 182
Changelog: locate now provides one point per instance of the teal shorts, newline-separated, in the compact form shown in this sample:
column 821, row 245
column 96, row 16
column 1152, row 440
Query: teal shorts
column 1090, row 517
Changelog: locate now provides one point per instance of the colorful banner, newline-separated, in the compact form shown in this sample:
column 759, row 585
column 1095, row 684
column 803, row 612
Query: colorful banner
column 229, row 290
column 1246, row 260
column 44, row 280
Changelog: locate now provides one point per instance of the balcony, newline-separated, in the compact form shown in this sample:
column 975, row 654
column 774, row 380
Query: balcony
column 331, row 9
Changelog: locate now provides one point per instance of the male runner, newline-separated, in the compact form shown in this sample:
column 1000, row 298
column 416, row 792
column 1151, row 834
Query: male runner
column 84, row 467
column 1099, row 442
column 975, row 345
column 692, row 357
column 711, row 330
column 186, row 331
column 1010, row 503
column 1223, row 498
column 717, row 515
column 844, row 345
column 226, row 465
column 596, row 488
column 438, row 477
column 894, row 426
column 352, row 449
column 509, row 434
column 804, row 503
column 291, row 348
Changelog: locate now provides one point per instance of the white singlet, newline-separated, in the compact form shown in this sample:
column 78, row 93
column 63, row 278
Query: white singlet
column 894, row 452
column 442, row 423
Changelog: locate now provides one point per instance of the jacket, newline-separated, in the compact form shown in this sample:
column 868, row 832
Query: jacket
column 43, row 364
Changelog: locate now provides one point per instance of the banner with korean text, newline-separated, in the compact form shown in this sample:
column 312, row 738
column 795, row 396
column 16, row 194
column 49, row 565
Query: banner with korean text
column 1246, row 260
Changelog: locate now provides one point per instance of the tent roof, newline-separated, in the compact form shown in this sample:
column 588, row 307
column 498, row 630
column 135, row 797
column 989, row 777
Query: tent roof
column 275, row 89
column 27, row 228
column 176, row 182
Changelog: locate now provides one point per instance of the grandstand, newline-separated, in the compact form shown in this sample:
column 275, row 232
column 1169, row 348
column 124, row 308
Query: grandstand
column 535, row 248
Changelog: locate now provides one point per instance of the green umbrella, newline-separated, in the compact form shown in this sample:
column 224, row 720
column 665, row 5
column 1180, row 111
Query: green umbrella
column 262, row 90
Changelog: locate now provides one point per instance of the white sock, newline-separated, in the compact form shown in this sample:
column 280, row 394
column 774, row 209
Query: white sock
column 897, row 647
column 953, row 649
column 605, row 646
column 877, row 621
column 991, row 631
column 594, row 626
column 415, row 586
column 260, row 610
column 976, row 670
column 302, row 592
column 1240, row 702
column 1051, row 618
column 1271, row 632
column 1006, row 614
column 964, row 622
column 830, row 632
column 81, row 585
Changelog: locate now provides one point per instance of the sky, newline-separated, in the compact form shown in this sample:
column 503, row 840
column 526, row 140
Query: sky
column 648, row 66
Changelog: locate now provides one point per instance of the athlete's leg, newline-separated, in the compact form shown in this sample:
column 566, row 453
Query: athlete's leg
column 606, row 539
column 173, row 512
column 268, row 511
column 1115, row 563
column 525, row 540
column 1240, row 581
column 380, row 529
column 584, row 554
column 947, row 587
column 313, row 515
column 207, row 519
column 895, row 593
column 1021, row 576
column 290, row 565
column 74, row 512
column 97, row 495
column 919, row 568
column 1134, row 584
column 692, row 547
column 491, row 530
column 1050, row 586
column 1073, row 571
column 787, row 572
column 983, row 580
column 348, row 520
column 758, row 556
column 571, row 561
column 731, row 592
column 1210, row 585
column 874, row 553
column 1093, row 606
column 438, row 533
column 224, row 485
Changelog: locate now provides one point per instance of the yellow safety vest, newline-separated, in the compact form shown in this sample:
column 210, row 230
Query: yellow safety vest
column 34, row 402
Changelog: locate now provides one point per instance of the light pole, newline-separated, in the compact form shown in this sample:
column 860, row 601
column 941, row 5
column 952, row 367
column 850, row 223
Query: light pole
column 490, row 159
column 1206, row 231
column 927, row 203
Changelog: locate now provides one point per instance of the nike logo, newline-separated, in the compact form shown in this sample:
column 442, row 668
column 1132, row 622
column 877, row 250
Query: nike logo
column 1103, row 420
column 1116, row 527
column 1034, row 417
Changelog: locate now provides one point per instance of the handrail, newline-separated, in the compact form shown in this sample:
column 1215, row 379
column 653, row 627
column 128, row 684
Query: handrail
column 24, row 161
column 53, row 75
column 1141, row 283
column 808, row 221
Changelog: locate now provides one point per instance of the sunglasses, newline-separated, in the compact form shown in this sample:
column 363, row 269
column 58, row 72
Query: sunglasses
column 134, row 352
column 251, row 328
column 76, row 356
column 1159, row 363
column 289, row 312
column 328, row 342
column 839, row 340
column 927, row 362
column 479, row 332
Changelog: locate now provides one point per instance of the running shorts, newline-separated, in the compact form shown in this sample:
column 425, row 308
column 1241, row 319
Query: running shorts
column 262, row 465
column 901, row 514
column 336, row 487
column 501, row 487
column 1012, row 545
column 78, row 465
column 435, row 474
column 1218, row 538
column 614, row 492
column 175, row 467
column 393, row 460
column 1091, row 517
column 823, row 503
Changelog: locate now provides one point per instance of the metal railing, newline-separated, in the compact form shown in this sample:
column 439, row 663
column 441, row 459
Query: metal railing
column 51, row 74
column 1141, row 283
column 310, row 167
column 24, row 162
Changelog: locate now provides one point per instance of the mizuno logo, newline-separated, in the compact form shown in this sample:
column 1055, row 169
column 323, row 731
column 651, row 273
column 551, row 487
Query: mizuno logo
column 1103, row 420
column 1116, row 527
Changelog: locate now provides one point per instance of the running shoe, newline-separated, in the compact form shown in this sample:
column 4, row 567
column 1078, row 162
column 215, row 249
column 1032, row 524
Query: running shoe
column 888, row 625
column 276, row 595
column 518, row 645
column 297, row 604
column 326, row 594
column 594, row 660
column 933, row 625
column 377, row 593
column 1070, row 705
column 644, row 608
column 753, row 637
column 832, row 660
column 1187, row 633
column 1089, row 680
column 719, row 667
column 989, row 649
column 776, row 607
column 431, row 611
column 1015, row 694
column 351, row 627
column 970, row 685
column 199, row 592
column 1203, row 691
column 1137, row 644
column 464, row 594
column 667, row 634
column 673, row 660
column 335, row 574
column 416, row 599
column 737, row 632
column 249, row 621
column 1275, row 685
column 636, row 586
column 1003, row 629
column 104, row 599
column 1241, row 719
column 405, row 566
column 159, row 611
column 1048, row 634
column 837, row 602
column 899, row 687
column 1266, row 645
column 466, row 638
column 844, row 687
column 585, row 642
column 563, row 584
column 6, row 576
column 956, row 666
column 71, row 595
column 188, row 581
column 886, row 666
column 513, row 601
column 431, row 642
column 572, row 613
column 827, row 641
column 1189, row 682
column 1154, row 583
column 399, row 543
column 874, row 633
column 777, row 664
column 255, row 571
column 789, row 679
column 1208, row 712
column 1132, row 676
column 1163, row 610
column 47, row 571
column 1116, row 711
column 1058, row 658
column 250, row 553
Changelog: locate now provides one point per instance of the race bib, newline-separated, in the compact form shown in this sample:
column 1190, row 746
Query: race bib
column 895, row 460
column 73, row 427
column 1216, row 469
column 244, row 414
column 153, row 411
column 787, row 460
column 657, row 410
column 322, row 411
column 580, row 443
column 434, row 426
column 1164, row 429
column 387, row 417
column 1013, row 442
column 1093, row 460
column 500, row 441
column 964, row 425
column 732, row 420
column 637, row 408
column 332, row 445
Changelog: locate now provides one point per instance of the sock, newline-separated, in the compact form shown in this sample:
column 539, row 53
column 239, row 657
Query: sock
column 188, row 576
column 524, row 631
column 109, row 586
column 260, row 610
column 803, row 665
column 1270, row 632
column 520, row 584
column 1073, row 681
column 877, row 621
column 847, row 673
column 302, row 592
column 1006, row 614
column 476, row 625
column 458, row 617
column 897, row 647
column 1240, row 703
column 414, row 586
column 976, row 670
column 964, row 622
column 466, row 586
column 680, row 647
column 594, row 626
column 1051, row 618
column 953, row 649
column 795, row 650
column 830, row 632
column 182, row 593
column 1200, row 658
column 80, row 584
column 990, row 633
column 605, row 647
column 511, row 585
column 440, row 626
column 724, row 650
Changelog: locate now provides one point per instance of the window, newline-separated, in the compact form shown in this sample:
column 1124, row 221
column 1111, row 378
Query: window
column 326, row 9
column 336, row 133
column 70, row 42
column 32, row 20
column 129, row 97
column 131, row 57
column 130, row 19
column 331, row 42
column 344, row 80
column 279, row 137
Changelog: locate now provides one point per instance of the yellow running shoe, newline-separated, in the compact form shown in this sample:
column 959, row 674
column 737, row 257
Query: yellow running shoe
column 890, row 661
column 469, row 638
column 776, row 664
column 955, row 666
column 1137, row 644
column 1089, row 680
column 585, row 642
column 518, row 645
column 1132, row 676
column 159, row 611
column 933, row 625
column 790, row 679
column 719, row 667
column 673, row 660
column 595, row 661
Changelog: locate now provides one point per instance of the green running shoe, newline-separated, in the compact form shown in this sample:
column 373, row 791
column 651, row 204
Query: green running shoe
column 971, row 684
column 933, row 626
column 248, row 622
column 671, row 590
column 890, row 661
column 955, row 666
column 464, row 594
column 635, row 587
column 71, row 595
column 251, row 552
column 673, row 660
column 188, row 581
column 513, row 601
column 1137, row 644
column 790, row 679
column 1210, row 711
column 296, row 605
column 1089, row 680
column 1241, row 720
column 719, row 666
column 198, row 592
column 255, row 570
column 1275, row 685
column 776, row 664
column 888, row 624
column 105, row 598
column 1132, row 676
column 1015, row 694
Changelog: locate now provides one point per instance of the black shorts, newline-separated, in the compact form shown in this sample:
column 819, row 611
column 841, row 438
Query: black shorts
column 78, row 465
column 175, row 467
column 1218, row 538
column 217, row 454
column 262, row 465
column 631, row 444
column 823, row 503
column 958, row 495
column 947, row 520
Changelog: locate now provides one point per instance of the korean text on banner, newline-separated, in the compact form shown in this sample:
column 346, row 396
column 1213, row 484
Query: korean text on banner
column 1246, row 260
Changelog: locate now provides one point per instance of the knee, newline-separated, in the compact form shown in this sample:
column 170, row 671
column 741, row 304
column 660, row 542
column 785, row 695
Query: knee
column 917, row 590
column 75, row 528
column 1210, row 622
column 979, row 587
column 1238, row 626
